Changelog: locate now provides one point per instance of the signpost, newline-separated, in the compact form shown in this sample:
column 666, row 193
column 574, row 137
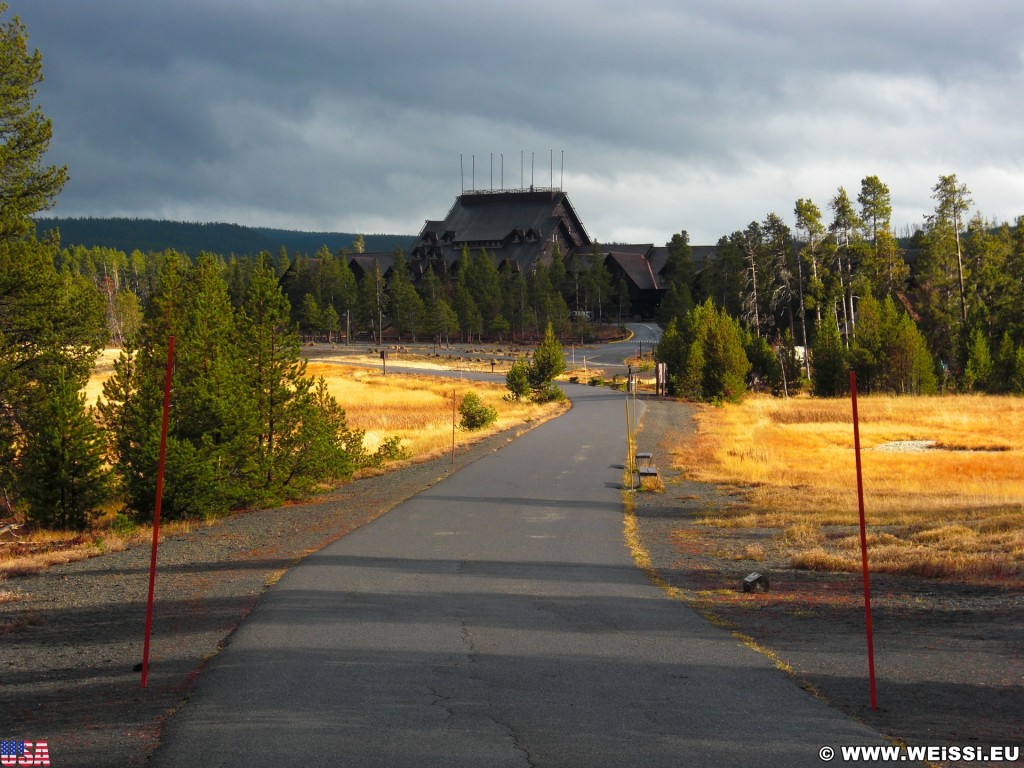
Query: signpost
column 156, row 510
column 863, row 542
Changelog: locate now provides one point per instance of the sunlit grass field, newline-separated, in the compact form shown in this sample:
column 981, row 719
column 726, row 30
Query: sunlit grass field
column 943, row 480
column 418, row 408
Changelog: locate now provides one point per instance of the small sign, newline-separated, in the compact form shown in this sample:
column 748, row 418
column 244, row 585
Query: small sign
column 755, row 582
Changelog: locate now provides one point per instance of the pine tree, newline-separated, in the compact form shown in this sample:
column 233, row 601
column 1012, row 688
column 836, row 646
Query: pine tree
column 705, row 357
column 470, row 320
column 484, row 284
column 725, row 363
column 517, row 380
column 828, row 360
column 548, row 362
column 64, row 476
column 309, row 315
column 866, row 351
column 671, row 351
column 781, row 281
column 978, row 371
column 679, row 269
column 952, row 202
column 1005, row 367
column 875, row 207
column 808, row 221
column 844, row 231
column 406, row 306
column 906, row 365
column 26, row 185
column 598, row 282
column 273, row 372
column 51, row 323
column 206, row 458
column 372, row 303
column 749, row 242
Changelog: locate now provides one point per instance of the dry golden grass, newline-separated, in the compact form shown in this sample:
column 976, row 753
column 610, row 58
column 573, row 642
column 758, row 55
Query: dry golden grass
column 956, row 509
column 104, row 370
column 418, row 409
column 415, row 408
column 41, row 549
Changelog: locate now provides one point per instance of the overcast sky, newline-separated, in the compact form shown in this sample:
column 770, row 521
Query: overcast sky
column 351, row 115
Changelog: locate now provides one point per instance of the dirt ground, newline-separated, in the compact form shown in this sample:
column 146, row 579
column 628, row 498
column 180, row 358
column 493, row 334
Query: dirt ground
column 949, row 658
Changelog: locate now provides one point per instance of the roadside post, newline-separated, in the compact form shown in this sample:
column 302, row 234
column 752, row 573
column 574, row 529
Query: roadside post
column 629, row 445
column 156, row 509
column 863, row 542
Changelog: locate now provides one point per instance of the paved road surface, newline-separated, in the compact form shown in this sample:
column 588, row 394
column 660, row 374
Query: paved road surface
column 496, row 620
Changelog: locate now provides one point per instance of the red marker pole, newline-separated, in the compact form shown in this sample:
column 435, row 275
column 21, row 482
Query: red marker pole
column 863, row 542
column 156, row 510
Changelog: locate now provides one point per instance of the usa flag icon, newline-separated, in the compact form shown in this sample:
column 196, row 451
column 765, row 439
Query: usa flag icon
column 12, row 748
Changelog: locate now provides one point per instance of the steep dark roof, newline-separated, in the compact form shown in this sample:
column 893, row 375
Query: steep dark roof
column 362, row 263
column 517, row 227
column 638, row 268
column 702, row 255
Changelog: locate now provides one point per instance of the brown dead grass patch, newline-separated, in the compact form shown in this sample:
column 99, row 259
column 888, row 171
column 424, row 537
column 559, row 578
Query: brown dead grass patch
column 955, row 510
column 39, row 549
column 102, row 371
column 418, row 409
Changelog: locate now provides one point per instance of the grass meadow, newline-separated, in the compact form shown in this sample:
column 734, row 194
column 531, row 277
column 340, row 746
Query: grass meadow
column 943, row 481
column 418, row 408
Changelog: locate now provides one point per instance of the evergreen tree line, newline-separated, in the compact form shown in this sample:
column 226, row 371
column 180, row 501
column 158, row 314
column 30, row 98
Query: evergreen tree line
column 941, row 312
column 247, row 425
column 128, row 234
column 473, row 301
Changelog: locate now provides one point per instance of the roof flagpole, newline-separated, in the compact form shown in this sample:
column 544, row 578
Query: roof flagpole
column 462, row 175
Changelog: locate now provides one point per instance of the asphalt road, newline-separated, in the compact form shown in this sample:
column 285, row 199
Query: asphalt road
column 496, row 619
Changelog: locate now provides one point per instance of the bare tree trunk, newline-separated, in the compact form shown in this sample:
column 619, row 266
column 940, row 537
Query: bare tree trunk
column 960, row 269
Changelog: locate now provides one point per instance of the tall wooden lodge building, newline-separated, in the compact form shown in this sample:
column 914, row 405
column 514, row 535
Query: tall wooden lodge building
column 520, row 229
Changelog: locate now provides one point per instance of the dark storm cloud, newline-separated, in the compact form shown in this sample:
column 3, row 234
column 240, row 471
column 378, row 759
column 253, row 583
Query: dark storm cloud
column 697, row 115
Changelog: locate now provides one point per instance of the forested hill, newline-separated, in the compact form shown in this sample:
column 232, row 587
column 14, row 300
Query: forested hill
column 152, row 235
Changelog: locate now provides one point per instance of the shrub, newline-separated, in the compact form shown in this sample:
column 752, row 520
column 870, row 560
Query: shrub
column 123, row 526
column 517, row 380
column 474, row 414
column 550, row 393
column 389, row 450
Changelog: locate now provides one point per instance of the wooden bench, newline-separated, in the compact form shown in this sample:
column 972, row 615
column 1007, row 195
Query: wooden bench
column 646, row 457
column 647, row 471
